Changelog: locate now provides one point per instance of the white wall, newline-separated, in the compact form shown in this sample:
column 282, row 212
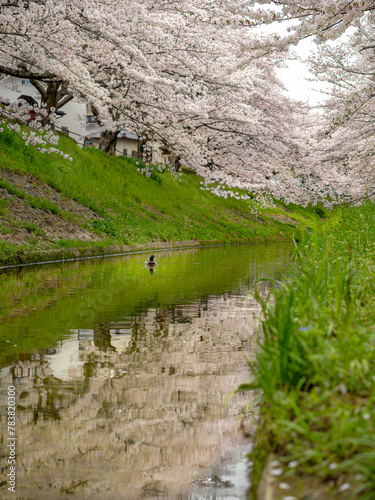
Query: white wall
column 121, row 144
column 129, row 144
column 75, row 118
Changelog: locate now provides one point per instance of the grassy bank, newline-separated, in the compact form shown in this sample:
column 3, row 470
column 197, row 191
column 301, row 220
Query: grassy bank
column 315, row 370
column 122, row 208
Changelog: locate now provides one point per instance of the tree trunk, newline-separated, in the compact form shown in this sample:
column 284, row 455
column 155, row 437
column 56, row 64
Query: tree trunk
column 108, row 141
column 108, row 138
column 141, row 148
column 49, row 99
column 174, row 161
column 53, row 95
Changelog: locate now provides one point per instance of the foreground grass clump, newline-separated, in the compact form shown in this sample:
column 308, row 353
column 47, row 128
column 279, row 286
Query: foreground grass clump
column 315, row 371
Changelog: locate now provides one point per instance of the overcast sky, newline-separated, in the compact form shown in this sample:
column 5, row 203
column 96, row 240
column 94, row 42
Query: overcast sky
column 295, row 76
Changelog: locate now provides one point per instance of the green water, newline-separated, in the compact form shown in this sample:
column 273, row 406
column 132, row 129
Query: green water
column 120, row 372
column 40, row 305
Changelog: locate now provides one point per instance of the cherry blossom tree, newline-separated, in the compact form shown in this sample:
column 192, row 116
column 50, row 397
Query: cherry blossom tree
column 170, row 71
column 327, row 19
column 341, row 164
column 348, row 66
column 54, row 93
column 189, row 74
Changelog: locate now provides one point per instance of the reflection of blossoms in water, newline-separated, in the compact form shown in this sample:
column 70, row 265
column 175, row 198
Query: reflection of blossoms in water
column 145, row 393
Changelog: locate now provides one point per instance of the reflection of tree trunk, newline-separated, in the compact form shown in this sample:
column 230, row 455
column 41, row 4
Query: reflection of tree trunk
column 108, row 141
column 102, row 339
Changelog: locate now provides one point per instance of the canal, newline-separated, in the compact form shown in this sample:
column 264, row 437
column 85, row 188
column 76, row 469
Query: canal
column 121, row 373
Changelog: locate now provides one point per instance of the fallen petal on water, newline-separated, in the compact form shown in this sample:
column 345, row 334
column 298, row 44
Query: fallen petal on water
column 275, row 463
column 344, row 487
column 276, row 472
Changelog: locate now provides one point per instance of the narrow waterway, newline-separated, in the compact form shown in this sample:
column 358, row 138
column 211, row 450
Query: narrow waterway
column 121, row 373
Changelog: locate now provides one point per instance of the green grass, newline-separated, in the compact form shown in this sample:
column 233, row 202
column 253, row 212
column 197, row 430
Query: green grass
column 315, row 369
column 4, row 204
column 33, row 228
column 37, row 202
column 136, row 209
column 5, row 230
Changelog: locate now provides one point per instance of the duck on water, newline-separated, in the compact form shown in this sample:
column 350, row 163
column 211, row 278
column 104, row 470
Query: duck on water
column 150, row 262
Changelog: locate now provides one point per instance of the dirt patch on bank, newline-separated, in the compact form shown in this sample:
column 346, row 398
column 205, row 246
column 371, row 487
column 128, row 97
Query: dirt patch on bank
column 20, row 222
column 283, row 219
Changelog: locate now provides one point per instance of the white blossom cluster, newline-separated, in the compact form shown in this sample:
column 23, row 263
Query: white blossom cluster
column 39, row 136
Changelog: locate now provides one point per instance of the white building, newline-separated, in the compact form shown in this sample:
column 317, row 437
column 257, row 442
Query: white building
column 73, row 121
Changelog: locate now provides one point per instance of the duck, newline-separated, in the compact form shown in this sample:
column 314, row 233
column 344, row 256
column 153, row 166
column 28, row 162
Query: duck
column 150, row 262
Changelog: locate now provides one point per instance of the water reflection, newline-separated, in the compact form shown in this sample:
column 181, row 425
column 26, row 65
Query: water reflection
column 131, row 406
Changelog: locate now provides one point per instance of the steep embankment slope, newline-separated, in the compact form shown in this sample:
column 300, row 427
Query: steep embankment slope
column 53, row 208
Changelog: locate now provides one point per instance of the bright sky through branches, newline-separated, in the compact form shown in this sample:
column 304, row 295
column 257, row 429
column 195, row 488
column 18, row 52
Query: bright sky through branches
column 296, row 76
